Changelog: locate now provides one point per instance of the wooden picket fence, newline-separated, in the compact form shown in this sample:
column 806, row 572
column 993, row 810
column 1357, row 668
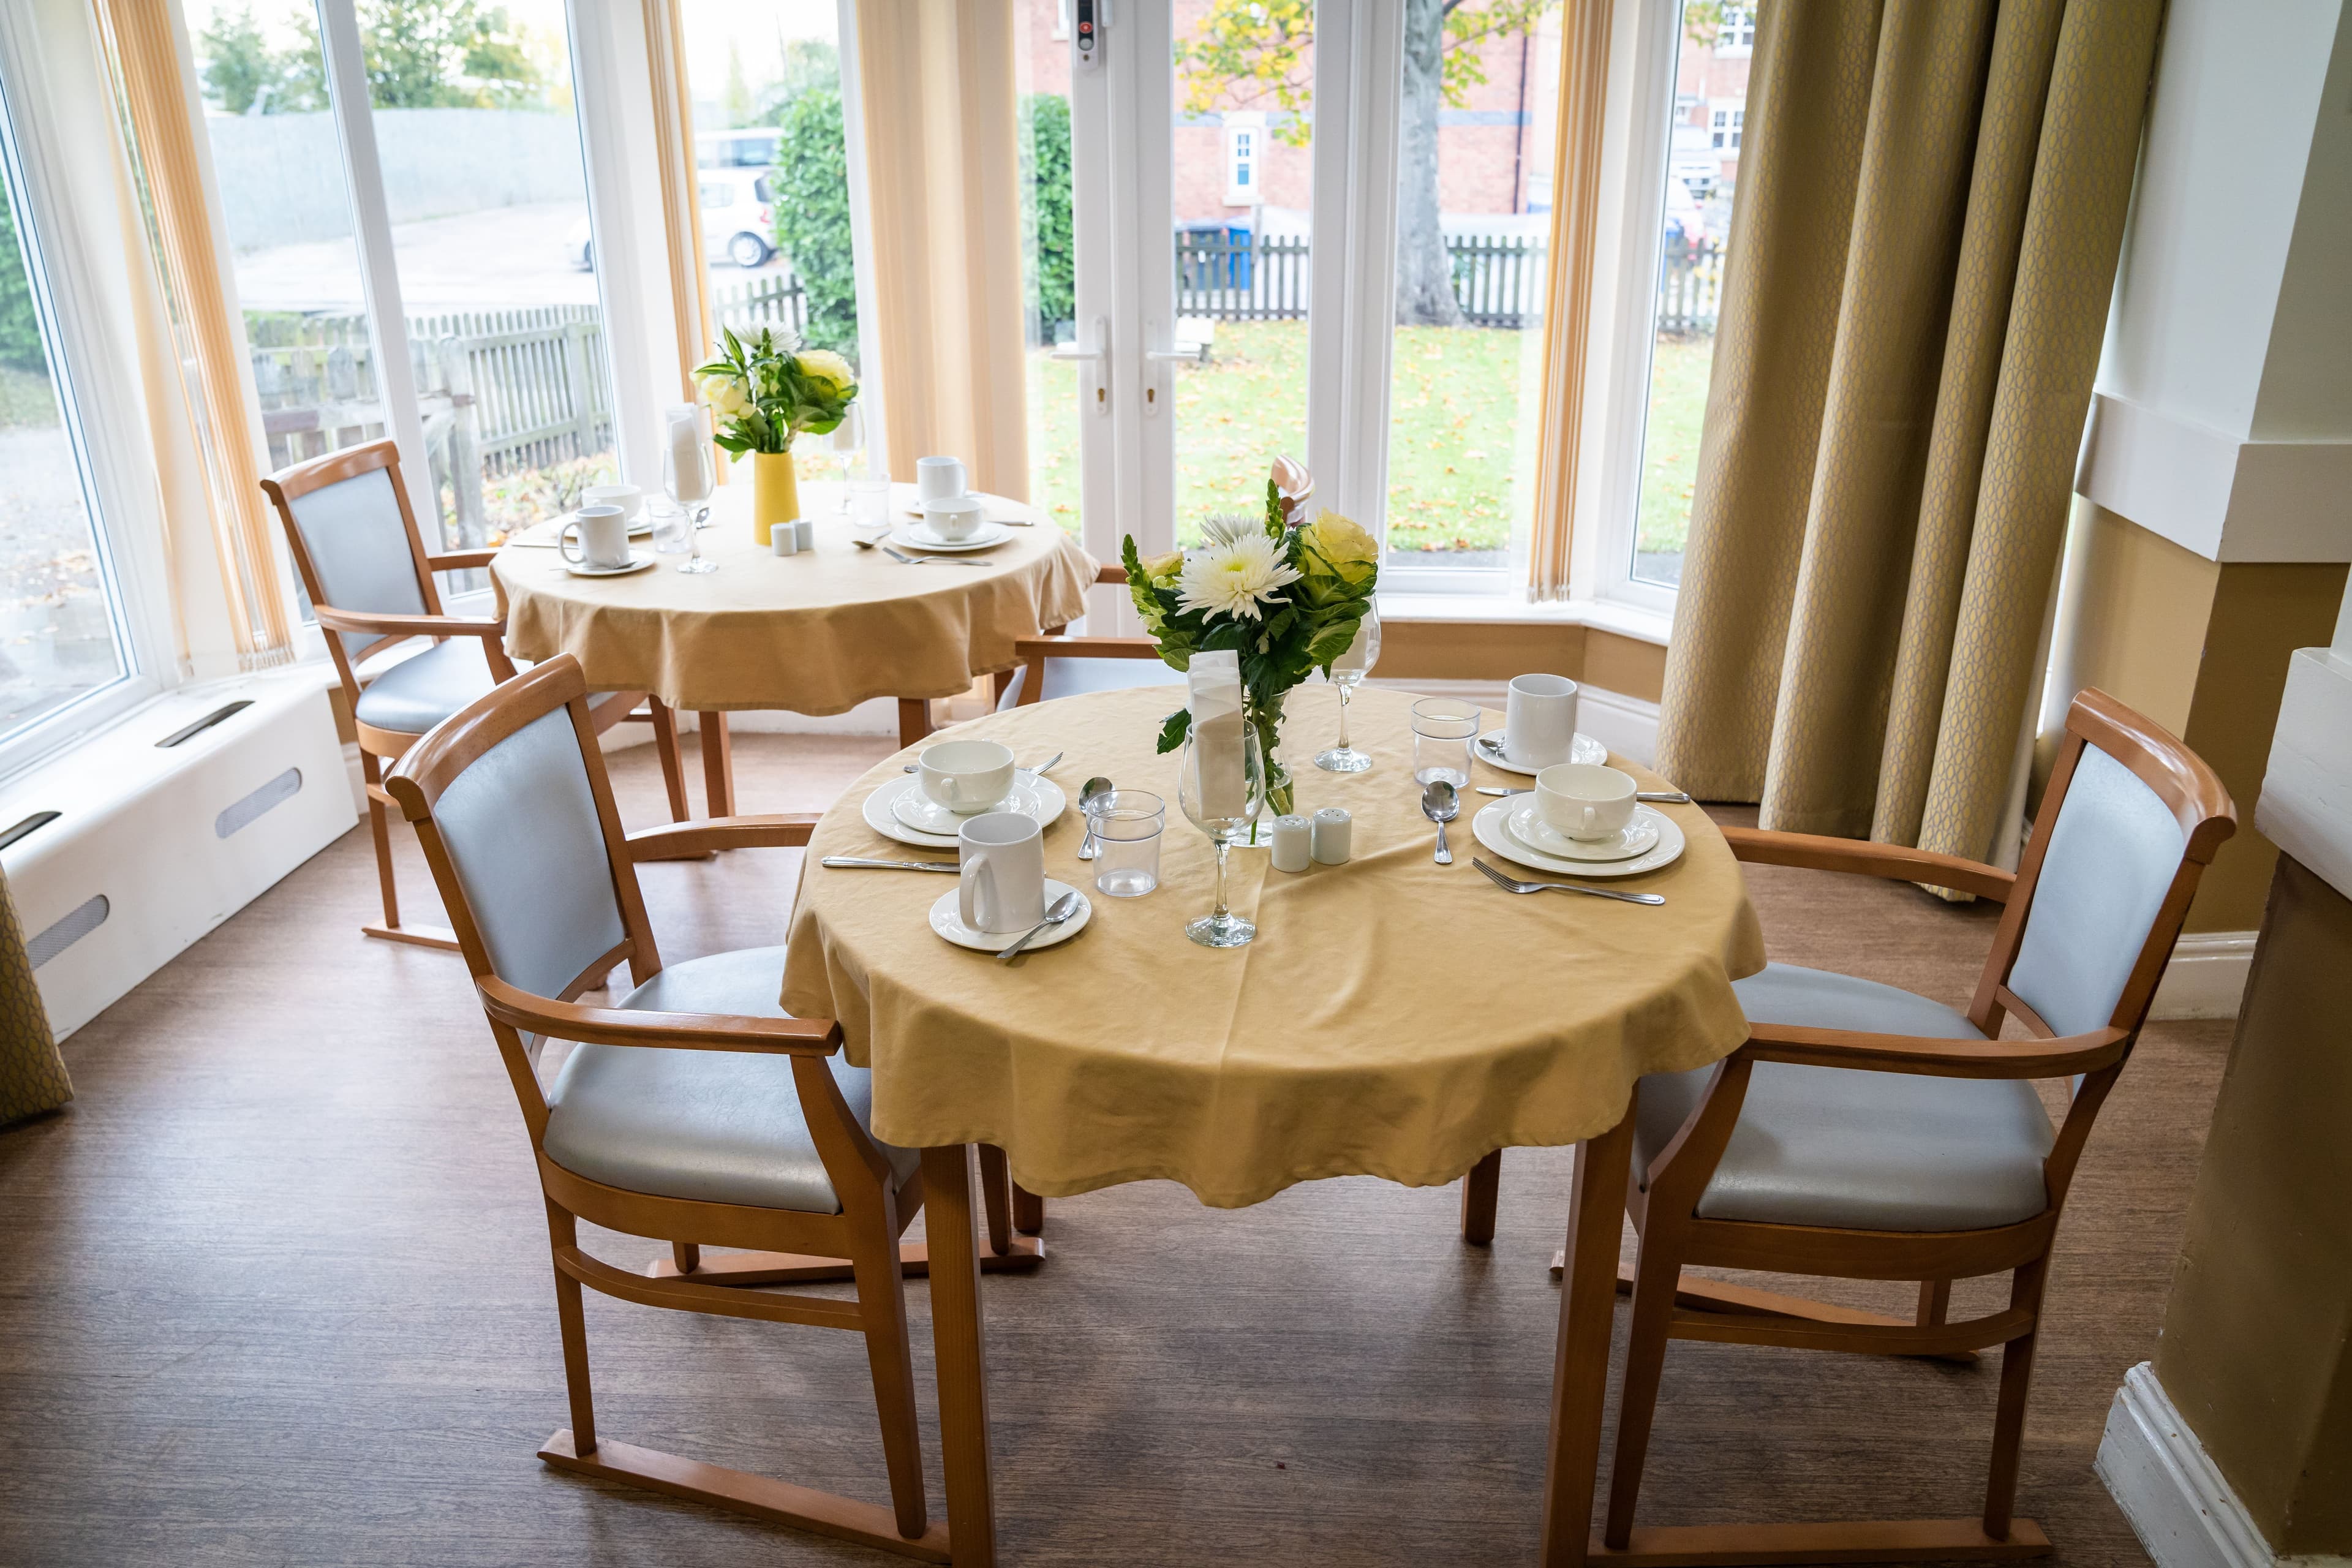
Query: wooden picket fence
column 1690, row 288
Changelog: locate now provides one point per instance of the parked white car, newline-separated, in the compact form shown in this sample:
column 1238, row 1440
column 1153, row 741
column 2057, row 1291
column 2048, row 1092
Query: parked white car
column 738, row 216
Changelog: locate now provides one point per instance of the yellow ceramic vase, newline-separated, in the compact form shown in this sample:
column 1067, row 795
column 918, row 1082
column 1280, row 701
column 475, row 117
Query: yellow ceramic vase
column 776, row 493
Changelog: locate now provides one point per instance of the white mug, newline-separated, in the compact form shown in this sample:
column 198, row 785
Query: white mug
column 1539, row 721
column 1585, row 800
column 959, row 517
column 628, row 498
column 1000, row 884
column 966, row 777
column 938, row 479
column 603, row 533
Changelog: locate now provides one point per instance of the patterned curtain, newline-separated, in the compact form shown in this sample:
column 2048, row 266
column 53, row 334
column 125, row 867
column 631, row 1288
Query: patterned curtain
column 1930, row 204
column 32, row 1075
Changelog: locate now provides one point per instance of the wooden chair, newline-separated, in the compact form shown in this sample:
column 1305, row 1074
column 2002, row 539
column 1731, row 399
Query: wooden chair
column 1864, row 1133
column 692, row 1110
column 1054, row 665
column 371, row 582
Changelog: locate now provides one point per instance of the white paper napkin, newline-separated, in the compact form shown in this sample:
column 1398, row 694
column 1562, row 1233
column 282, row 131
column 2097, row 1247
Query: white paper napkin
column 1214, row 678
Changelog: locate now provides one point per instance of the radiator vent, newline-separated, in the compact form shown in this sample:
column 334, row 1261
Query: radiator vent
column 190, row 732
column 246, row 812
column 32, row 824
column 77, row 924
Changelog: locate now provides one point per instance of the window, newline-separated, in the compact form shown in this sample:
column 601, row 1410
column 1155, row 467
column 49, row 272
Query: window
column 62, row 637
column 1723, row 125
column 1736, row 35
column 1244, row 133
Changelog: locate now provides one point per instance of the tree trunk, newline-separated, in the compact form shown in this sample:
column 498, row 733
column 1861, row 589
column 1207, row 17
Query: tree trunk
column 1425, row 274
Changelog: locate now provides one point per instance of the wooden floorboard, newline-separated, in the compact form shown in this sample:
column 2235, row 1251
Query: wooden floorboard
column 279, row 1291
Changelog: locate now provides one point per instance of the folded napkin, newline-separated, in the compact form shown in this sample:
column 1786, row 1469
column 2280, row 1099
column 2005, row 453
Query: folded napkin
column 1215, row 679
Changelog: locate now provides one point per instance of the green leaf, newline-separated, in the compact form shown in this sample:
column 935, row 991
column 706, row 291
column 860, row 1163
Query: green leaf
column 1173, row 729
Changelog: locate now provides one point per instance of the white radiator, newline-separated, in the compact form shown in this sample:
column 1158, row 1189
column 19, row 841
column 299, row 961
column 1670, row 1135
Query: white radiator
column 123, row 851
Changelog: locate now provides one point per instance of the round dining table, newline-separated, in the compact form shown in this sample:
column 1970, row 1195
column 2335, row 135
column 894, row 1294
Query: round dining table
column 817, row 632
column 1393, row 1017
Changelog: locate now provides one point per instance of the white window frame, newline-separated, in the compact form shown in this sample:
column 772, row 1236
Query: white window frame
column 1736, row 37
column 1726, row 119
column 1245, row 133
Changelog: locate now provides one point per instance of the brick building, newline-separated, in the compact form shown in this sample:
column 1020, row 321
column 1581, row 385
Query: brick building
column 1711, row 104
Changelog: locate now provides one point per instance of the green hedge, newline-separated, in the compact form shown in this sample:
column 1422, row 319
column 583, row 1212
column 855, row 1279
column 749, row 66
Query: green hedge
column 1045, row 209
column 20, row 330
column 810, row 185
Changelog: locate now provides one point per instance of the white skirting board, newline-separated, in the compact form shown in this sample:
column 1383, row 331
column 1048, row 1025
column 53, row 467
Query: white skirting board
column 2178, row 1502
column 2207, row 977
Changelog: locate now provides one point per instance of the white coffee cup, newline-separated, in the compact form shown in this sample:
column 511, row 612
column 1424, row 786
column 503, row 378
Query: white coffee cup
column 1585, row 800
column 938, row 479
column 1000, row 884
column 628, row 498
column 604, row 534
column 966, row 777
column 1539, row 721
column 958, row 517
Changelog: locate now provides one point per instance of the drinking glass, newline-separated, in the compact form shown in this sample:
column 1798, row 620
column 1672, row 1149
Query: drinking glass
column 872, row 496
column 1348, row 673
column 1223, row 811
column 847, row 443
column 687, row 478
column 1443, row 729
column 1127, row 824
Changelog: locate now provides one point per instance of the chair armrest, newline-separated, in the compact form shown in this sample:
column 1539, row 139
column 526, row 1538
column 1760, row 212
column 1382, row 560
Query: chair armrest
column 674, row 1031
column 678, row 840
column 2061, row 1058
column 409, row 625
column 1113, row 575
column 460, row 560
column 1084, row 648
column 1818, row 852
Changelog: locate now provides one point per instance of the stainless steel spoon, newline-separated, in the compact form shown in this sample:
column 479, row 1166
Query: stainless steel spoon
column 1093, row 789
column 1441, row 805
column 1063, row 908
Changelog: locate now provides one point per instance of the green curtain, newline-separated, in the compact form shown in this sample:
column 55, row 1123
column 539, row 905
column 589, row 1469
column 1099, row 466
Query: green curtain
column 32, row 1075
column 1931, row 199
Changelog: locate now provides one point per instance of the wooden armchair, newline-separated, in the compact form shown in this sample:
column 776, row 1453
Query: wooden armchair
column 1864, row 1133
column 691, row 1111
column 371, row 582
column 1053, row 664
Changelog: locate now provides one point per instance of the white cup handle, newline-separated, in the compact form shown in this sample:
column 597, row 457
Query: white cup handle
column 1592, row 814
column 563, row 537
column 978, row 900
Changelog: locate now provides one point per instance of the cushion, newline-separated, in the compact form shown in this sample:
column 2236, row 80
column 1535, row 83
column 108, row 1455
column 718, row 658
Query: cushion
column 1071, row 676
column 1855, row 1150
column 410, row 697
column 716, row 1126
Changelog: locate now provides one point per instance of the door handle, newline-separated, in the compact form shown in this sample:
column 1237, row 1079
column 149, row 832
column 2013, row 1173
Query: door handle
column 1097, row 355
column 1182, row 354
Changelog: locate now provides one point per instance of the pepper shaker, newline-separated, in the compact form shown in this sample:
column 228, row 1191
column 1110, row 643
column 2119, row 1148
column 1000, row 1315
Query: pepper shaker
column 1293, row 843
column 1333, row 830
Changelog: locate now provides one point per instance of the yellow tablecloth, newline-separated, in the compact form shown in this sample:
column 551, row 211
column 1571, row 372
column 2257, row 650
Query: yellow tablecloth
column 1394, row 1017
column 814, row 633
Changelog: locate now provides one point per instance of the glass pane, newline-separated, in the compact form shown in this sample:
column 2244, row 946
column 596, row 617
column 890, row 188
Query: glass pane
column 1048, row 259
column 1702, row 165
column 773, row 177
column 1243, row 145
column 1474, row 201
column 58, row 637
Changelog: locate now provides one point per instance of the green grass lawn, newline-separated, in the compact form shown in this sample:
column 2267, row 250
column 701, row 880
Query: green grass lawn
column 1456, row 458
column 25, row 397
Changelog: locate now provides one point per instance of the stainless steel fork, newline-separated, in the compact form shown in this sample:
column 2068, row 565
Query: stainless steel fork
column 1510, row 886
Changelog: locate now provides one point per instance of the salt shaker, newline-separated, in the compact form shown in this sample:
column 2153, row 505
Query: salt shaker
column 784, row 539
column 1292, row 839
column 805, row 535
column 1333, row 829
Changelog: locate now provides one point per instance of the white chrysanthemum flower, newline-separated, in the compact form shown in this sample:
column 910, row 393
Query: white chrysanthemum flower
column 1234, row 577
column 1225, row 527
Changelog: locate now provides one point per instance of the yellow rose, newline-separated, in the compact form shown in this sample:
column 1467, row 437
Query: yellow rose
column 1164, row 568
column 823, row 364
column 725, row 395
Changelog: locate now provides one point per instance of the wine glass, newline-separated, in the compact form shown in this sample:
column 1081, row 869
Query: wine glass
column 1221, row 805
column 687, row 478
column 1347, row 671
column 847, row 443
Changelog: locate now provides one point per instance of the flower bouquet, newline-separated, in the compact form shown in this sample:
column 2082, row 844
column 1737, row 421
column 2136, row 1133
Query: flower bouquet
column 762, row 395
column 1287, row 600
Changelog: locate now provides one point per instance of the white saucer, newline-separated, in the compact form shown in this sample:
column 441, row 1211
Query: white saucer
column 1491, row 827
column 1040, row 797
column 1635, row 838
column 638, row 561
column 947, row 918
column 919, row 811
column 1584, row 749
column 919, row 536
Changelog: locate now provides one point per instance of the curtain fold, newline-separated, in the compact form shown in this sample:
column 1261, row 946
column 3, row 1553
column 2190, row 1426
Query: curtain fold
column 156, row 85
column 1568, row 303
column 936, row 77
column 689, row 272
column 32, row 1075
column 1931, row 202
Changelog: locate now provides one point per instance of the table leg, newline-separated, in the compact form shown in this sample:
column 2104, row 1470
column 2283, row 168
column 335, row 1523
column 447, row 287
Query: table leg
column 955, row 1335
column 717, row 765
column 1587, row 1299
column 914, row 718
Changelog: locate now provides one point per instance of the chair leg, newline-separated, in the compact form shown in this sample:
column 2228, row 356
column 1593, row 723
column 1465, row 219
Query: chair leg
column 1657, row 1273
column 673, row 767
column 1935, row 1303
column 686, row 1255
column 1028, row 1211
column 882, row 1302
column 2009, row 1416
column 564, row 1231
column 717, row 765
column 380, row 831
column 996, row 1196
column 1481, row 1188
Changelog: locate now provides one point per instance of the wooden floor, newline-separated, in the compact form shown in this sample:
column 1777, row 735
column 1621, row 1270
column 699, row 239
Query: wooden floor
column 278, row 1291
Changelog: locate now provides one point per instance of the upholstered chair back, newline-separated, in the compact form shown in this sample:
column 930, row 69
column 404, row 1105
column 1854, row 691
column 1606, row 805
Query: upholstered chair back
column 356, row 536
column 520, row 828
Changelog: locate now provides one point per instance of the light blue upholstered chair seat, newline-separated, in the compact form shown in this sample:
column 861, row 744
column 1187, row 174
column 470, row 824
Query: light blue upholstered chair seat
column 1862, row 1151
column 421, row 690
column 1076, row 677
column 715, row 1126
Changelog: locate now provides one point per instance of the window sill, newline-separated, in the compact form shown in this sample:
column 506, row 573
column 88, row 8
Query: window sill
column 1624, row 620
